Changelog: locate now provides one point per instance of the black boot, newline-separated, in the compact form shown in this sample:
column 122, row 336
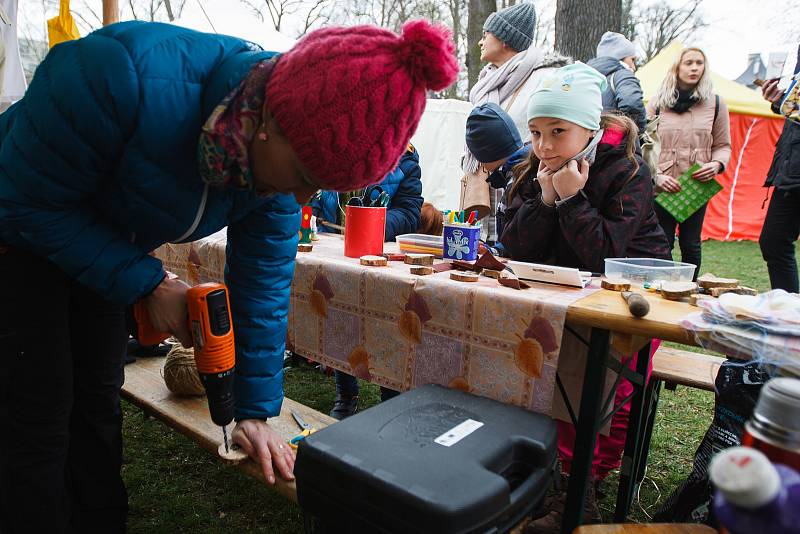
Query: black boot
column 344, row 406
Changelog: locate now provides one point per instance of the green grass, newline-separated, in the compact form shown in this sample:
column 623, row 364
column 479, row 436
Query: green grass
column 174, row 486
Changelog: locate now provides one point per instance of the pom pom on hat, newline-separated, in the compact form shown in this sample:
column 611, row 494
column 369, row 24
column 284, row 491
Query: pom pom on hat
column 349, row 99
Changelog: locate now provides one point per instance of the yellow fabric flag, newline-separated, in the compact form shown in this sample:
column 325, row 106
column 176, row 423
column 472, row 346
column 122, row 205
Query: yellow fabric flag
column 62, row 28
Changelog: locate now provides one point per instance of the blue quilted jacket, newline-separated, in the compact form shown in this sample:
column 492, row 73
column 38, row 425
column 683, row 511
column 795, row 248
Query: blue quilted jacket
column 98, row 167
column 404, row 186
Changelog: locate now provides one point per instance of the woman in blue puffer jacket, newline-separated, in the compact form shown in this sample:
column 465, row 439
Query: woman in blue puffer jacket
column 141, row 134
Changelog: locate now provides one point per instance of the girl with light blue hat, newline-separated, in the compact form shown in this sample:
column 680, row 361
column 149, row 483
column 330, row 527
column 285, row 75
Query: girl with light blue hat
column 583, row 195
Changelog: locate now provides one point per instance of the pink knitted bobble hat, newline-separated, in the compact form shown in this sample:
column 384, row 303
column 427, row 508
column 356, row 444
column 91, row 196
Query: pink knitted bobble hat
column 349, row 99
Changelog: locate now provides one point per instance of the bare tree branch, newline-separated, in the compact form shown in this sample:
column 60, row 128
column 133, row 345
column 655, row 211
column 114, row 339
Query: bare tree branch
column 658, row 25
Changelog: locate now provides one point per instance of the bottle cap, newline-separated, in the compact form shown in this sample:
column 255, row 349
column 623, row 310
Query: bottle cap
column 745, row 477
column 779, row 403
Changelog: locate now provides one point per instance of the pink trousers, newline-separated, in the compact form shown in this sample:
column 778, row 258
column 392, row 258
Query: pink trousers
column 608, row 449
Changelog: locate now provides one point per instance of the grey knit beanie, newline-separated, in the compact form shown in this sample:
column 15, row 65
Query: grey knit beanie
column 615, row 45
column 513, row 25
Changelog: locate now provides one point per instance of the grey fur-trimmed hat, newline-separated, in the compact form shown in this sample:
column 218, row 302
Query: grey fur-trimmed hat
column 513, row 25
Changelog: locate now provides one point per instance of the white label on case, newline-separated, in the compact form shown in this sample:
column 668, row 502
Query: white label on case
column 458, row 432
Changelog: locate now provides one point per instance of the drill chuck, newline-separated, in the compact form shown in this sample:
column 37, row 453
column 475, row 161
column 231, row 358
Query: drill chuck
column 219, row 389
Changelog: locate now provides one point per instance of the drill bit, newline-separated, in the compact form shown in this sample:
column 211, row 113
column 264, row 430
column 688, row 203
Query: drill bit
column 225, row 438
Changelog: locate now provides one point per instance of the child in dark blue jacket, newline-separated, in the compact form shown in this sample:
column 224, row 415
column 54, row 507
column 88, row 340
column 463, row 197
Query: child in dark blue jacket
column 404, row 186
column 494, row 140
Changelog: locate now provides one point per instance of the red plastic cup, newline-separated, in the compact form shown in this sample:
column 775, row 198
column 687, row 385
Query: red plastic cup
column 364, row 231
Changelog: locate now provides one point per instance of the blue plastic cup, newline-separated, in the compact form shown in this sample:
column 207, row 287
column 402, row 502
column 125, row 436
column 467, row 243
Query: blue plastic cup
column 460, row 242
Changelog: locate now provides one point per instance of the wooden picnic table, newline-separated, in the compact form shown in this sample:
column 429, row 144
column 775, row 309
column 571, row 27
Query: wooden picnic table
column 356, row 298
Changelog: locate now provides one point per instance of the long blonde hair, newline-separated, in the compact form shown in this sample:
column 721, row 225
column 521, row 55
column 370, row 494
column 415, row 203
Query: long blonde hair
column 667, row 94
column 530, row 166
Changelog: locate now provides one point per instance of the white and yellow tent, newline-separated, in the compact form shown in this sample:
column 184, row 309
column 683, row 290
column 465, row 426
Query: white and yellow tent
column 736, row 212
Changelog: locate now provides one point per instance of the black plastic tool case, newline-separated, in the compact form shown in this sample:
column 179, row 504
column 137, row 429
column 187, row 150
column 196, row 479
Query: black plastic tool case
column 382, row 470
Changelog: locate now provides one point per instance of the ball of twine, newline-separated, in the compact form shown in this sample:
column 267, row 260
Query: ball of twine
column 180, row 372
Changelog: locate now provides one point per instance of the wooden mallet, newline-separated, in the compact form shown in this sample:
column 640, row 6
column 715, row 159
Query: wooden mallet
column 637, row 304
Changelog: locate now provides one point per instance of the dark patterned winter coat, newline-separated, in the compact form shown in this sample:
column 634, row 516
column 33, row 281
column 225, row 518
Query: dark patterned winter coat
column 612, row 217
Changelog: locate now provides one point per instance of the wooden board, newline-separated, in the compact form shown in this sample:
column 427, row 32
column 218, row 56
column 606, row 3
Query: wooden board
column 640, row 528
column 605, row 309
column 686, row 368
column 145, row 388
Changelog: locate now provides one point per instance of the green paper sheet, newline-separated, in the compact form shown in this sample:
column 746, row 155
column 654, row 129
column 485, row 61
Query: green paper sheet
column 692, row 196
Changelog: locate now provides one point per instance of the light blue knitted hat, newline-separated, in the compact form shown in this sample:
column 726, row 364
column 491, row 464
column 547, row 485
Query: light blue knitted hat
column 513, row 25
column 572, row 93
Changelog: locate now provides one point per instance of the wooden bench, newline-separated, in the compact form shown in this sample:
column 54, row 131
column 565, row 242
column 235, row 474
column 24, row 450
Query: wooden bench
column 145, row 388
column 639, row 528
column 672, row 367
column 681, row 367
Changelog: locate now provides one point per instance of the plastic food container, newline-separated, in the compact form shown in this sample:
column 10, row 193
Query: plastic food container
column 420, row 244
column 649, row 270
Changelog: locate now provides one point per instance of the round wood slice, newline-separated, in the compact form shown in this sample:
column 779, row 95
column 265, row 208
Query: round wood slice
column 419, row 259
column 305, row 247
column 421, row 270
column 463, row 276
column 615, row 284
column 709, row 281
column 233, row 455
column 740, row 290
column 394, row 256
column 491, row 273
column 677, row 290
column 374, row 261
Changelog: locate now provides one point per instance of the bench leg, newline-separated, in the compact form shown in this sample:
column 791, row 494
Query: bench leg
column 586, row 429
column 633, row 441
column 652, row 395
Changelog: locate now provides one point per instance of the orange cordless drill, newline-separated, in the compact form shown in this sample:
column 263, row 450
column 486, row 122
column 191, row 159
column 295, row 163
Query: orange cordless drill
column 214, row 352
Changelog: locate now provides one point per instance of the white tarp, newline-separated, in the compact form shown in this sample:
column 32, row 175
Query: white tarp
column 12, row 79
column 440, row 142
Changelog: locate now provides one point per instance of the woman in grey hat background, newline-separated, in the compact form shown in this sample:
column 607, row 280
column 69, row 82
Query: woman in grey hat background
column 514, row 69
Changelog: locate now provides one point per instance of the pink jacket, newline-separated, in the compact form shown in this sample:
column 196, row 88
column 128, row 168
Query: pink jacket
column 693, row 137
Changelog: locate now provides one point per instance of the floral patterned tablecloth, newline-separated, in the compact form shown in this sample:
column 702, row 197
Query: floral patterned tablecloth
column 400, row 330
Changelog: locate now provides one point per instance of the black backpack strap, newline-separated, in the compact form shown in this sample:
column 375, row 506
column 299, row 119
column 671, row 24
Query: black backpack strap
column 716, row 107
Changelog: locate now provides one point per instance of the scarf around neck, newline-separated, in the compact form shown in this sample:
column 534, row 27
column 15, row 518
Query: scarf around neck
column 226, row 135
column 686, row 100
column 497, row 84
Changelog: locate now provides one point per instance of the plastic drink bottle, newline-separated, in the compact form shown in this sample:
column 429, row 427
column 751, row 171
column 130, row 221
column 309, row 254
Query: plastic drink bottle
column 753, row 495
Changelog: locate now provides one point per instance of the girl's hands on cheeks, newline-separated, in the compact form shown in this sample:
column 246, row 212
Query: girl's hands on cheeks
column 571, row 178
column 545, row 179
